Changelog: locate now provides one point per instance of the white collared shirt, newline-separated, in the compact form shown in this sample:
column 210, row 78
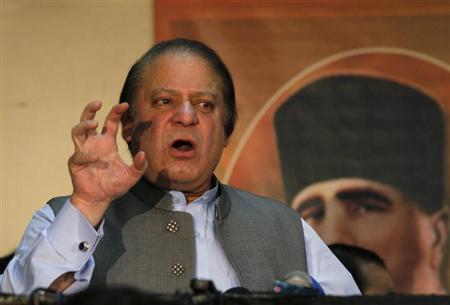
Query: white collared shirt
column 210, row 259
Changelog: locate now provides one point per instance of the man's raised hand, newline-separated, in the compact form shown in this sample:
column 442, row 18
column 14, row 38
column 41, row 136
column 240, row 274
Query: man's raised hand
column 99, row 175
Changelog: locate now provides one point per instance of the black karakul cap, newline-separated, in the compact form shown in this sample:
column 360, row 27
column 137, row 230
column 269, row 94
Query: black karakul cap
column 366, row 127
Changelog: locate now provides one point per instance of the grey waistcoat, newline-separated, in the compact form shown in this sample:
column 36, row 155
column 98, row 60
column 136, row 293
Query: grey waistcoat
column 262, row 239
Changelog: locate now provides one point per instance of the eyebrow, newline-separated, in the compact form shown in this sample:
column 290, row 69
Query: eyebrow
column 310, row 203
column 157, row 91
column 201, row 93
column 361, row 194
column 175, row 92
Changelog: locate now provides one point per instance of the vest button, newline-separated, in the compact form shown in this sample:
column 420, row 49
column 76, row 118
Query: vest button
column 178, row 269
column 172, row 226
column 83, row 246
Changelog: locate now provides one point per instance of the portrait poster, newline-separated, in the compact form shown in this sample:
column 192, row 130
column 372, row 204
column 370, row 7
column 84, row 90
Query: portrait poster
column 346, row 96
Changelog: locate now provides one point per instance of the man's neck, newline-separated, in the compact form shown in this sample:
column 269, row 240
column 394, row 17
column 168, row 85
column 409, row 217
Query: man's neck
column 191, row 196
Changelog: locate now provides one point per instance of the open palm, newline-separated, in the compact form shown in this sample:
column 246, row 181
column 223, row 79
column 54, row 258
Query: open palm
column 99, row 175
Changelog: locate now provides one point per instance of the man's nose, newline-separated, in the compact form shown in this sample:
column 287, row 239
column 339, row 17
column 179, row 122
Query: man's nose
column 185, row 114
column 337, row 226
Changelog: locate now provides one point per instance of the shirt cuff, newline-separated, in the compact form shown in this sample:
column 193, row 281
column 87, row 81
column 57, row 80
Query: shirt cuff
column 72, row 236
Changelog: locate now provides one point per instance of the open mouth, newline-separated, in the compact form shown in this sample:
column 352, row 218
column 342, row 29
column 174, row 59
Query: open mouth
column 183, row 145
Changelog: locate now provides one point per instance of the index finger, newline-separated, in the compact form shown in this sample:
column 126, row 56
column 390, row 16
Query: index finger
column 112, row 120
column 90, row 110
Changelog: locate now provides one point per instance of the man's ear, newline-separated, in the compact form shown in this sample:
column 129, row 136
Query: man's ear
column 439, row 221
column 127, row 126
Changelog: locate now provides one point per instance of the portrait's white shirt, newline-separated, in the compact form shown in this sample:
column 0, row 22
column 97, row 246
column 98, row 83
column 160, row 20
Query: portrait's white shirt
column 48, row 250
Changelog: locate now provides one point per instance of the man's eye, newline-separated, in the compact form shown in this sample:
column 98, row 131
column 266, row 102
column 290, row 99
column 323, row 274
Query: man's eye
column 368, row 207
column 313, row 214
column 206, row 105
column 163, row 101
column 312, row 210
column 365, row 202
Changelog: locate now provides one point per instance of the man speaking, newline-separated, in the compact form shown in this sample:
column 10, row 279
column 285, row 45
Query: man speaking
column 165, row 219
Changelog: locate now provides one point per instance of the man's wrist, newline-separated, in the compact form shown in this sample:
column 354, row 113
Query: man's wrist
column 69, row 231
column 92, row 210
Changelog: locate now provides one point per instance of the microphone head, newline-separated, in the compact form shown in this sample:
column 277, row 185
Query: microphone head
column 298, row 278
column 200, row 286
column 237, row 290
column 298, row 283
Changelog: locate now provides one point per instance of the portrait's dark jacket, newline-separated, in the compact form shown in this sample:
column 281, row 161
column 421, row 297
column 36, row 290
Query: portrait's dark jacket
column 262, row 239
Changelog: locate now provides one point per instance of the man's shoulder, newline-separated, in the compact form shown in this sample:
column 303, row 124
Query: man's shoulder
column 252, row 200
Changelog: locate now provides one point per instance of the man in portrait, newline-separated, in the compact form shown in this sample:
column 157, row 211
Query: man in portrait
column 362, row 160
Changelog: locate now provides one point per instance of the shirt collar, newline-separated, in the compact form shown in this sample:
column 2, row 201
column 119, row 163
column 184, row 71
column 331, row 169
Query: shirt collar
column 210, row 196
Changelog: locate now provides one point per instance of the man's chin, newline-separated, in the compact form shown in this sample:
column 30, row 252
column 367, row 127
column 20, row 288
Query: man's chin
column 183, row 181
column 185, row 185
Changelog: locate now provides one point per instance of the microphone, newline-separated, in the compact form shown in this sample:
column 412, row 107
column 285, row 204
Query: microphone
column 237, row 290
column 298, row 283
column 200, row 286
column 204, row 291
